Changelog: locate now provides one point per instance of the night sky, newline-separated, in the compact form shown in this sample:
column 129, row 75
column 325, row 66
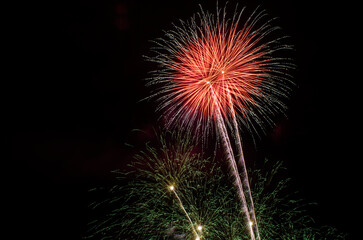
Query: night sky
column 75, row 98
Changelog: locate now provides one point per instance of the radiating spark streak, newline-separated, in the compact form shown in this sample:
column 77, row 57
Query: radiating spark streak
column 242, row 162
column 233, row 164
column 230, row 156
column 172, row 188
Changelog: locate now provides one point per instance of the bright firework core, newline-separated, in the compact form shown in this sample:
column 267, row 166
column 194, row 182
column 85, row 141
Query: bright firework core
column 232, row 64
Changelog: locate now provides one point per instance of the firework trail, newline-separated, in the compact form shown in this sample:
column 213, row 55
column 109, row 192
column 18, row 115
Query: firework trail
column 215, row 75
column 172, row 188
column 241, row 160
column 230, row 156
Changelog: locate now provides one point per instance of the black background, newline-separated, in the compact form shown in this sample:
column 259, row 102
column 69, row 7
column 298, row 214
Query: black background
column 75, row 96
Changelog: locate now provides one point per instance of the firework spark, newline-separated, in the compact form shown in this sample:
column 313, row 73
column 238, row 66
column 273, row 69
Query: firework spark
column 216, row 74
column 172, row 188
column 233, row 165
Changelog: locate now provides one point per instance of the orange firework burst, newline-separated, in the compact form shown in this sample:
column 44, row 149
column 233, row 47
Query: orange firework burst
column 222, row 64
column 211, row 61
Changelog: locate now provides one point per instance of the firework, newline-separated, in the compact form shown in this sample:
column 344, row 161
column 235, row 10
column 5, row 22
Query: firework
column 218, row 72
column 212, row 57
column 172, row 188
column 171, row 192
column 142, row 204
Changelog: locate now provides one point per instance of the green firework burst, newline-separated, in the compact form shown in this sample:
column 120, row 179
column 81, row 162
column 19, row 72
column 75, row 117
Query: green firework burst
column 142, row 205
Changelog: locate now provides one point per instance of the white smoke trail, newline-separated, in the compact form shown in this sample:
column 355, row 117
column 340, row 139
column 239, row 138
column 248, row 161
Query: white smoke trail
column 230, row 156
column 242, row 163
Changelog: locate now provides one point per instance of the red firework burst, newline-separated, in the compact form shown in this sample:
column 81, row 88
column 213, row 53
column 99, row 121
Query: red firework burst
column 211, row 63
column 222, row 66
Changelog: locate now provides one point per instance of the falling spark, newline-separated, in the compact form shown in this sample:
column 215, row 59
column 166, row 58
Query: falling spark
column 233, row 165
column 172, row 188
column 242, row 163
